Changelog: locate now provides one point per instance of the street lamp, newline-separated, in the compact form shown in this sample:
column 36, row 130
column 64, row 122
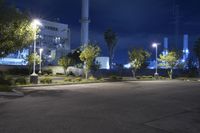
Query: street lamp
column 41, row 50
column 155, row 45
column 35, row 24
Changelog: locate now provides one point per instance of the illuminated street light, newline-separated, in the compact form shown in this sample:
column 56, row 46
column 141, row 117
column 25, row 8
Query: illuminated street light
column 41, row 50
column 35, row 24
column 155, row 45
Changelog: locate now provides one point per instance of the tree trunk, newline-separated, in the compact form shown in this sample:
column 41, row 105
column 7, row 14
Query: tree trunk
column 171, row 74
column 111, row 54
column 86, row 74
column 133, row 72
column 110, row 60
column 65, row 71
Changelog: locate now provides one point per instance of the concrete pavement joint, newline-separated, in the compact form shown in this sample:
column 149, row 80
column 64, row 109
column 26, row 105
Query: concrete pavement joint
column 167, row 116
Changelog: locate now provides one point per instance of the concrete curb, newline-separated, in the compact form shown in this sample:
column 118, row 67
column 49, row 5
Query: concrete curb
column 14, row 93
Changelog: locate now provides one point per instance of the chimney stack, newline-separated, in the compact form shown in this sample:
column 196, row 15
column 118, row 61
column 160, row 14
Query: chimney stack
column 165, row 51
column 85, row 23
column 185, row 47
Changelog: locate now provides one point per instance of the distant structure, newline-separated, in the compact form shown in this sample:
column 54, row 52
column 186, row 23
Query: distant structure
column 185, row 47
column 85, row 22
column 103, row 62
column 185, row 52
column 165, row 50
column 53, row 38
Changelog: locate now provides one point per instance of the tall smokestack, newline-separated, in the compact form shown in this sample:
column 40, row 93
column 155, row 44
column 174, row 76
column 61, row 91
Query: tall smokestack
column 85, row 23
column 185, row 47
column 185, row 42
column 165, row 43
column 165, row 51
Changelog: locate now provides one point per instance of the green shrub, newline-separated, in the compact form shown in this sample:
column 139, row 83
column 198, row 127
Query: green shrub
column 162, row 78
column 78, row 79
column 59, row 74
column 145, row 77
column 21, row 81
column 46, row 80
column 114, row 77
column 70, row 74
column 47, row 72
column 46, row 75
column 92, row 78
column 68, row 79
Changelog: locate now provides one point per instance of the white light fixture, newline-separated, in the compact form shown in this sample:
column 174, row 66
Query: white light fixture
column 155, row 45
column 35, row 23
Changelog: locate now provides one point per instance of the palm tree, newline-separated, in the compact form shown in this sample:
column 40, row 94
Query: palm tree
column 111, row 40
column 197, row 52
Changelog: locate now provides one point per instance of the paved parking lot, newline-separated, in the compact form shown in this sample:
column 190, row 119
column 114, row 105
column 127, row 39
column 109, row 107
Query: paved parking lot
column 119, row 107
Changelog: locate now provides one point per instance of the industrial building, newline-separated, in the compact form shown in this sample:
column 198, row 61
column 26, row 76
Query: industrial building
column 165, row 51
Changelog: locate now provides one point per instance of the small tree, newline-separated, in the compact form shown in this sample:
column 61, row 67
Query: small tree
column 65, row 62
column 137, row 59
column 111, row 40
column 171, row 60
column 30, row 60
column 197, row 52
column 88, row 55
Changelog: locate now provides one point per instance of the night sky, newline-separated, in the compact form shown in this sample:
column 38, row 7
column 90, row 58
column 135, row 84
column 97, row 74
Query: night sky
column 137, row 23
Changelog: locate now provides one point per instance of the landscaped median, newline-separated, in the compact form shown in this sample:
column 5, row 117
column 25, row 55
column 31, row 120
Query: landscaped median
column 10, row 83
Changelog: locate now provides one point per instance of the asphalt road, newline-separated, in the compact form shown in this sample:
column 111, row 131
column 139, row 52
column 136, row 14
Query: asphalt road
column 121, row 107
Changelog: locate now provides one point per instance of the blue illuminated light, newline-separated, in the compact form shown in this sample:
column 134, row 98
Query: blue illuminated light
column 18, row 58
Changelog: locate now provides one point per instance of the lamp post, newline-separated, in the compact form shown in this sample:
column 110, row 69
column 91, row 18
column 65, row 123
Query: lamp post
column 40, row 71
column 35, row 24
column 155, row 45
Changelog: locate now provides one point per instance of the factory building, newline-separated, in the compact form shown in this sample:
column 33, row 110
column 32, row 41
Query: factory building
column 166, row 50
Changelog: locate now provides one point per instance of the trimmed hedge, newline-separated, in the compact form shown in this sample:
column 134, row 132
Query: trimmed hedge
column 47, row 72
column 21, row 81
column 68, row 79
column 46, row 80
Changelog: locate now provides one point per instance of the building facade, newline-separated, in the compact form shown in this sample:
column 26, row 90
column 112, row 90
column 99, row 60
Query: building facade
column 54, row 39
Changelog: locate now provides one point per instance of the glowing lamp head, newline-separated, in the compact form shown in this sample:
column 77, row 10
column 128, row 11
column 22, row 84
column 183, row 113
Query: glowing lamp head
column 154, row 45
column 41, row 50
column 36, row 22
